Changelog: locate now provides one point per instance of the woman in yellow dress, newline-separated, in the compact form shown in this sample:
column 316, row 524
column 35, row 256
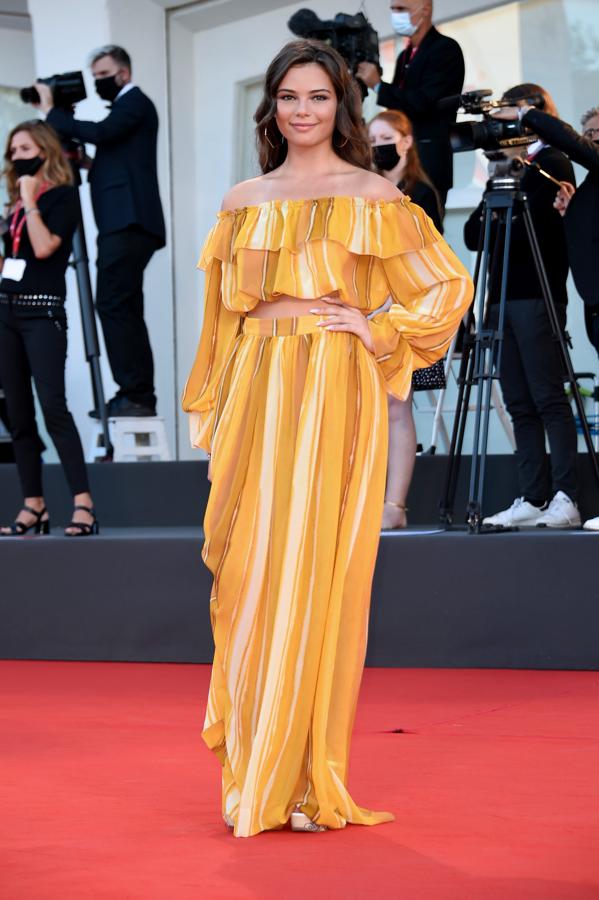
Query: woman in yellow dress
column 288, row 394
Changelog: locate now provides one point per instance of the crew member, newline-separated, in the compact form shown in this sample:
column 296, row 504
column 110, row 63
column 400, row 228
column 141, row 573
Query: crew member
column 128, row 212
column 430, row 68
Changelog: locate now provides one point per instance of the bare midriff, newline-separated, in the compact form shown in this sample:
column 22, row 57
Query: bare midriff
column 284, row 307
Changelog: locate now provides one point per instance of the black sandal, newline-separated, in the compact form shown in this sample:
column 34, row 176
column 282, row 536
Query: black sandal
column 18, row 529
column 84, row 529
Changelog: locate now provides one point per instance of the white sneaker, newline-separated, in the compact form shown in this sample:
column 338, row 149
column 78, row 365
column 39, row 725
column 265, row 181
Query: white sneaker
column 592, row 524
column 521, row 513
column 561, row 513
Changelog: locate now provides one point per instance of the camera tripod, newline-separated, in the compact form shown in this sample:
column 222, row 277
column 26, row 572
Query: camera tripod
column 80, row 262
column 481, row 354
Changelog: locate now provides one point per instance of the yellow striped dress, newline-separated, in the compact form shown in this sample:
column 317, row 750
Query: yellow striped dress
column 296, row 421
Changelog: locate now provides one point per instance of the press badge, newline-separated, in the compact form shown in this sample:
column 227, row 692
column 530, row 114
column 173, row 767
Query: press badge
column 13, row 268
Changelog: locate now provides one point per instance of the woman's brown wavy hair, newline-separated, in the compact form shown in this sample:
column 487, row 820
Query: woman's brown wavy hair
column 350, row 138
column 55, row 170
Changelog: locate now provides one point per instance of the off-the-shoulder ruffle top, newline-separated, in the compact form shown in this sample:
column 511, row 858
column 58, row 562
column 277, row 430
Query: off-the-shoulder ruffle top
column 369, row 251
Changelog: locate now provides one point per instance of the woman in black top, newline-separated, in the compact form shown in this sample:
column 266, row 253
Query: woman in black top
column 33, row 325
column 396, row 158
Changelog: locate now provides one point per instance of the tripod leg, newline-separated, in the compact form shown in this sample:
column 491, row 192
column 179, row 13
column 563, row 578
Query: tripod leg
column 90, row 333
column 468, row 372
column 447, row 503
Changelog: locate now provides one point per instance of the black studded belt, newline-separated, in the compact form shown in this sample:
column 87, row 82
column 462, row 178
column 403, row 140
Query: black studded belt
column 34, row 301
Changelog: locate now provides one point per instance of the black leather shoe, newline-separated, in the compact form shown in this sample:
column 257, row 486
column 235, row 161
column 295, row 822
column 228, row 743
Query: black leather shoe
column 122, row 406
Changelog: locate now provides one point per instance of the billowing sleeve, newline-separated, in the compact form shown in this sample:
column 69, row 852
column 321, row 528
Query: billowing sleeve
column 217, row 341
column 430, row 292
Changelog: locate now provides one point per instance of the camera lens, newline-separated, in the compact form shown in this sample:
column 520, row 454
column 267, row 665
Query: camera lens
column 29, row 95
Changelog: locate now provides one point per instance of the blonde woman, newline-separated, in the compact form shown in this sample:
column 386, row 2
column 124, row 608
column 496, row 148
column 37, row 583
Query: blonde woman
column 288, row 393
column 33, row 325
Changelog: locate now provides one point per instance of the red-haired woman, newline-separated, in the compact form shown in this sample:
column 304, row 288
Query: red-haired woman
column 395, row 157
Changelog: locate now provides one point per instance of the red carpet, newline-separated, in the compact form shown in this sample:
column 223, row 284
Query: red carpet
column 107, row 792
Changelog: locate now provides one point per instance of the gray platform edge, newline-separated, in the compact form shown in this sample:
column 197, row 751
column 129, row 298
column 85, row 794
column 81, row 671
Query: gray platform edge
column 175, row 494
column 439, row 600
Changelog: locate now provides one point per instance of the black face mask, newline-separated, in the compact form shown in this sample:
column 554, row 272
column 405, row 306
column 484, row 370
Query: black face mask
column 107, row 88
column 28, row 166
column 385, row 156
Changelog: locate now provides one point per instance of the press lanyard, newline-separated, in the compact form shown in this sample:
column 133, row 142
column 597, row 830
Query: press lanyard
column 18, row 223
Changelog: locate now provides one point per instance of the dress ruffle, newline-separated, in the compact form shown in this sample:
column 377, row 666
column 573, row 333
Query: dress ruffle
column 378, row 228
column 367, row 252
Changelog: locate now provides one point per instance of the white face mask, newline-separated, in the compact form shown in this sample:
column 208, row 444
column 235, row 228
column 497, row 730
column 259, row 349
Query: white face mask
column 402, row 24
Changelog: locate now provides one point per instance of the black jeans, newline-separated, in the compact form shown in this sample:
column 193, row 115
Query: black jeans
column 122, row 258
column 532, row 383
column 37, row 347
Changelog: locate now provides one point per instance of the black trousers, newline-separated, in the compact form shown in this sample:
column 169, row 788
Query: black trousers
column 37, row 347
column 532, row 383
column 122, row 258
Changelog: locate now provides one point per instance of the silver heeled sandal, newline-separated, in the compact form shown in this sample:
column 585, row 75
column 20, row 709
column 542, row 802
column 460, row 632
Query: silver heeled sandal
column 301, row 822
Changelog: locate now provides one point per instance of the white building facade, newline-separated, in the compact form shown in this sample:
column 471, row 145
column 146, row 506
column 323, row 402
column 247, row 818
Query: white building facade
column 202, row 65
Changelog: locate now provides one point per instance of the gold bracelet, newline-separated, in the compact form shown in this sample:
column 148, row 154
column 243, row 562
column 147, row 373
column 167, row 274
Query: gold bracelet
column 397, row 505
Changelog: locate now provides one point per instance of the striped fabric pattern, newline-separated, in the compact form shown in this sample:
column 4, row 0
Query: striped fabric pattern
column 296, row 420
column 365, row 250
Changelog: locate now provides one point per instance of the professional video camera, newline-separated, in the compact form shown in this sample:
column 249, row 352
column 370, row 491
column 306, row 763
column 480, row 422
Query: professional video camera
column 352, row 36
column 489, row 134
column 67, row 89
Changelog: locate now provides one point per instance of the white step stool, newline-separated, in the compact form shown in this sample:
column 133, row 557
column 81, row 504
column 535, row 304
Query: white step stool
column 134, row 439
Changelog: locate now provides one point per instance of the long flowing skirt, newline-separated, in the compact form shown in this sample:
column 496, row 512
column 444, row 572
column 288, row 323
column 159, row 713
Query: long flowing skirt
column 292, row 529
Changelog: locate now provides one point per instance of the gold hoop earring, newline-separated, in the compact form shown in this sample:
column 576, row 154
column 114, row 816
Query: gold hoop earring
column 268, row 140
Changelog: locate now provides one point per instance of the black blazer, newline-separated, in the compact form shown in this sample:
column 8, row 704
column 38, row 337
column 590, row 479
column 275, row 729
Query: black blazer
column 123, row 176
column 523, row 282
column 436, row 71
column 582, row 217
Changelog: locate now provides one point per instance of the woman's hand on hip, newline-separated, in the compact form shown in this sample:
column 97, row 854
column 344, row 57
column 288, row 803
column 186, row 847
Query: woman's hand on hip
column 339, row 317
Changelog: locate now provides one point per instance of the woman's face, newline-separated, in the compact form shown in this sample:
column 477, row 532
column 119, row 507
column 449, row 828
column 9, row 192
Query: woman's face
column 306, row 106
column 23, row 146
column 381, row 132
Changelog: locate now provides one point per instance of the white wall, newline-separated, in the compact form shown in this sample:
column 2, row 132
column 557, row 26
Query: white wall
column 16, row 58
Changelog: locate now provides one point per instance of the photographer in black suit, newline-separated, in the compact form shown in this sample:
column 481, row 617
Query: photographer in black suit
column 430, row 68
column 128, row 213
column 580, row 207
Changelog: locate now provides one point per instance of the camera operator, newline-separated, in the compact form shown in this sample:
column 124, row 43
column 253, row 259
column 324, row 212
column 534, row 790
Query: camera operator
column 128, row 213
column 532, row 373
column 33, row 326
column 429, row 69
column 580, row 208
